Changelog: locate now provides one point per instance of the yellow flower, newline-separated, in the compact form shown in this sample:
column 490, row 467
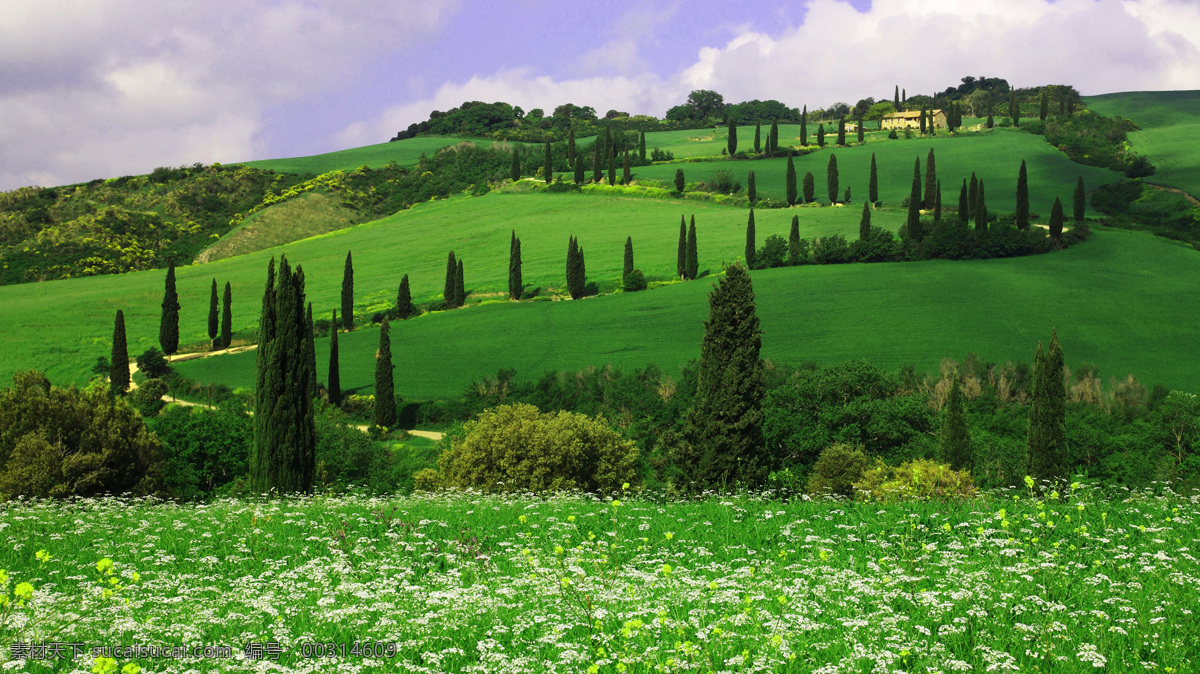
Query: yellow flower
column 23, row 592
column 616, row 504
column 104, row 665
column 946, row 526
column 42, row 556
column 523, row 519
column 670, row 535
column 570, row 518
column 625, row 486
column 558, row 550
column 105, row 566
column 131, row 668
column 1029, row 482
column 667, row 569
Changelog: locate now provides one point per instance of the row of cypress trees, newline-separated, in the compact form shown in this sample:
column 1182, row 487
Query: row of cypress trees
column 226, row 321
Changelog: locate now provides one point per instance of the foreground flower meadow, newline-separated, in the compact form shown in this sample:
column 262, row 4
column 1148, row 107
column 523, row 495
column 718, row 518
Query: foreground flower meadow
column 1092, row 581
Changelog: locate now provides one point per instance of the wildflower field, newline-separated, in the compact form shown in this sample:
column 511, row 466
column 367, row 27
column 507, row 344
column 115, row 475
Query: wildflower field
column 1090, row 581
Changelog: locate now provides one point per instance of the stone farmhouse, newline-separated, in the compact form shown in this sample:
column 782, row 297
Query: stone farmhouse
column 912, row 120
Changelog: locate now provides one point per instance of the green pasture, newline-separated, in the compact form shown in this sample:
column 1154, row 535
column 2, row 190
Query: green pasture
column 994, row 156
column 406, row 151
column 1170, row 126
column 1118, row 302
column 67, row 324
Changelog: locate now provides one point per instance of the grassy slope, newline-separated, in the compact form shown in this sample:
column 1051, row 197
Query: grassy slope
column 402, row 152
column 307, row 215
column 1170, row 122
column 1111, row 306
column 477, row 229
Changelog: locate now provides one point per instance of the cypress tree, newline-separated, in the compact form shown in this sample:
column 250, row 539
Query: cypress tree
column 930, row 180
column 724, row 428
column 1047, row 441
column 937, row 203
column 451, row 285
column 626, row 176
column 628, row 268
column 773, row 138
column 597, row 156
column 460, row 287
column 612, row 168
column 515, row 171
column 266, row 329
column 1080, row 201
column 404, row 307
column 681, row 251
column 981, row 214
column 310, row 346
column 679, row 184
column 118, row 364
column 955, row 440
column 794, row 242
column 973, row 195
column 385, row 387
column 791, row 181
column 841, row 132
column 750, row 250
column 548, row 165
column 227, row 317
column 861, row 128
column 571, row 151
column 1022, row 214
column 214, row 324
column 516, row 284
column 642, row 145
column 284, row 455
column 921, row 121
column 804, row 127
column 348, row 293
column 751, row 188
column 914, row 205
column 810, row 189
column 873, row 187
column 693, row 262
column 1056, row 219
column 1014, row 109
column 821, row 135
column 991, row 122
column 731, row 140
column 335, row 378
column 758, row 137
column 168, row 325
column 864, row 225
column 963, row 209
column 896, row 101
column 578, row 173
column 831, row 179
column 575, row 270
column 1044, row 108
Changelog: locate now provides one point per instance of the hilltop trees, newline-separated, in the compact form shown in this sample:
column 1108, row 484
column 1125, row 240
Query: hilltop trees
column 168, row 324
column 284, row 455
column 118, row 373
column 404, row 305
column 791, row 181
column 385, row 388
column 692, row 263
column 831, row 179
column 576, row 274
column 451, row 285
column 873, row 187
column 1022, row 214
column 750, row 240
column 227, row 316
column 515, row 283
column 1047, row 439
column 335, row 378
column 214, row 324
column 348, row 293
column 724, row 429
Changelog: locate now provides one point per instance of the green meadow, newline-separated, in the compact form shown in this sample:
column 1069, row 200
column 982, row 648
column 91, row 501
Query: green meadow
column 1170, row 125
column 402, row 152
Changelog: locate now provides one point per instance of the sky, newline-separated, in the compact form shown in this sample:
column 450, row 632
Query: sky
column 104, row 88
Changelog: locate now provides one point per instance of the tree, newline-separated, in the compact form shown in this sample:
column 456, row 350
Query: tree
column 404, row 305
column 460, row 286
column 981, row 213
column 626, row 176
column 731, row 140
column 1044, row 108
column 1080, row 201
column 1022, row 214
column 284, row 456
column 118, row 373
column 612, row 167
column 757, row 137
column 515, row 284
column 750, row 247
column 515, row 172
column 751, row 188
column 773, row 138
column 896, row 103
column 791, row 181
column 724, row 429
column 571, row 152
column 937, row 202
column 1056, row 220
column 1014, row 109
column 859, row 126
column 914, row 205
column 168, row 325
column 548, row 165
column 451, row 285
column 227, row 317
column 955, row 440
column 821, row 135
column 214, row 324
column 841, row 132
column 692, row 265
column 794, row 242
column 809, row 188
column 385, row 388
column 1047, row 439
column 681, row 251
column 576, row 275
column 578, row 173
column 642, row 145
column 706, row 103
column 921, row 121
column 973, row 194
column 804, row 127
column 964, row 208
column 873, row 187
column 930, row 180
column 628, row 268
column 348, row 293
column 864, row 225
column 597, row 157
column 335, row 378
column 991, row 122
column 831, row 179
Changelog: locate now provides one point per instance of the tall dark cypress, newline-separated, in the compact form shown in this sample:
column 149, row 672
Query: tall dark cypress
column 758, row 137
column 1080, row 201
column 751, row 188
column 873, row 187
column 335, row 377
column 118, row 364
column 841, row 132
column 626, row 176
column 460, row 286
column 679, row 181
column 627, row 269
column 972, row 194
column 348, row 293
column 571, row 151
column 773, row 138
column 578, row 173
column 681, row 251
column 1056, row 219
column 1014, row 109
column 791, row 181
column 1022, row 214
column 861, row 124
column 921, row 121
column 385, row 387
column 548, row 165
column 820, row 134
column 1048, row 457
column 794, row 242
column 914, row 205
column 404, row 306
column 310, row 346
column 804, row 127
column 964, row 204
column 831, row 179
column 692, row 264
column 597, row 157
column 515, row 283
column 991, row 106
column 612, row 168
column 955, row 441
column 750, row 249
column 642, row 145
column 981, row 213
column 810, row 189
column 896, row 102
column 515, row 171
column 731, row 138
column 864, row 225
column 930, row 180
column 214, row 323
column 576, row 274
column 937, row 202
column 168, row 325
column 227, row 317
column 448, row 290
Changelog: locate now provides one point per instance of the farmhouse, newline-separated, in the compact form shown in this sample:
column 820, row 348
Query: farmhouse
column 912, row 120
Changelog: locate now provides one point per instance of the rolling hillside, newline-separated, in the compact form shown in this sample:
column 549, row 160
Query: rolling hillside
column 1170, row 122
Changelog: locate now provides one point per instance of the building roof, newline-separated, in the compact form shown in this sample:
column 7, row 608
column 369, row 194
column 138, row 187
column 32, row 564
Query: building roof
column 910, row 114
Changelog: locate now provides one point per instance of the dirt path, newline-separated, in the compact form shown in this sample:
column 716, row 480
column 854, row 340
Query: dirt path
column 436, row 436
column 1192, row 200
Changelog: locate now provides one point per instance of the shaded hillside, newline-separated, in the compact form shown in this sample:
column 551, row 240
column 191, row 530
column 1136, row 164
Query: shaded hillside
column 1170, row 126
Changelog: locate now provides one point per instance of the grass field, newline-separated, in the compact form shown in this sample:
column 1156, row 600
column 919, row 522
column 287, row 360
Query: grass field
column 1170, row 122
column 307, row 215
column 578, row 584
column 402, row 152
column 1116, row 302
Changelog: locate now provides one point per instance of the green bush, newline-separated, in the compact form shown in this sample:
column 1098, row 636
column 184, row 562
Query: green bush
column 518, row 448
column 635, row 281
column 147, row 398
column 836, row 470
column 916, row 479
column 153, row 364
column 204, row 450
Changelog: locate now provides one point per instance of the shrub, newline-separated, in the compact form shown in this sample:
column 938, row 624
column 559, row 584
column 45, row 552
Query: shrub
column 519, row 448
column 147, row 398
column 204, row 450
column 153, row 364
column 359, row 407
column 916, row 479
column 772, row 254
column 837, row 469
column 893, row 135
column 724, row 183
column 635, row 281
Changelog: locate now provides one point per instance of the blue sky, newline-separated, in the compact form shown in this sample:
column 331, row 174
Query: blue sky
column 101, row 88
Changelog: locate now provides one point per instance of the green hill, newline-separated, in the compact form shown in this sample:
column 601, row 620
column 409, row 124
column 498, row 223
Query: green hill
column 1170, row 124
column 403, row 152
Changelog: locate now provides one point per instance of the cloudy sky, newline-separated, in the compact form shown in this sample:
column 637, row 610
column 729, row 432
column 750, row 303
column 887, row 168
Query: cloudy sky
column 102, row 88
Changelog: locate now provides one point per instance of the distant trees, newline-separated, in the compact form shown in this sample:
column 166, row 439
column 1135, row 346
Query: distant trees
column 1056, row 220
column 571, row 153
column 348, row 293
column 385, row 389
column 864, row 224
column 913, row 223
column 731, row 141
column 448, row 290
column 679, row 184
column 334, row 386
column 548, row 165
column 118, row 373
column 750, row 247
column 1044, row 107
column 214, row 323
column 1047, row 440
column 791, row 181
column 1080, row 202
column 757, row 137
column 773, row 138
column 626, row 175
column 1014, row 109
column 821, row 135
column 809, row 188
column 576, row 274
column 627, row 269
column 841, row 132
column 964, row 204
column 515, row 172
column 597, row 156
column 692, row 263
column 227, row 316
column 930, row 180
column 168, row 324
column 1022, row 214
column 642, row 145
column 515, row 283
column 804, row 127
column 831, row 179
column 873, row 187
column 404, row 305
column 578, row 176
column 460, row 286
column 981, row 213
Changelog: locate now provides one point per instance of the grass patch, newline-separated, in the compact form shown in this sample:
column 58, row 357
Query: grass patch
column 402, row 152
column 1170, row 122
column 309, row 214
